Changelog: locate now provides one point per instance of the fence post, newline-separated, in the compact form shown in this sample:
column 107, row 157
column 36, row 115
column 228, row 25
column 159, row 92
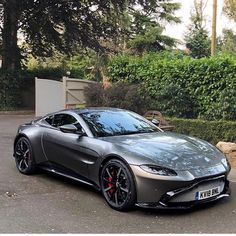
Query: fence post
column 36, row 96
column 64, row 78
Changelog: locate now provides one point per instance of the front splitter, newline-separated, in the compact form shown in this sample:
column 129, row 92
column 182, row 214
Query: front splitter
column 183, row 205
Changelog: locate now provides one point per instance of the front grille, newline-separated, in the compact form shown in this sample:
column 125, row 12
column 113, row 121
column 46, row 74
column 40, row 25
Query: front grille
column 190, row 195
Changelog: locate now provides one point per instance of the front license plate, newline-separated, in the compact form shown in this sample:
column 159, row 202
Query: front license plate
column 207, row 193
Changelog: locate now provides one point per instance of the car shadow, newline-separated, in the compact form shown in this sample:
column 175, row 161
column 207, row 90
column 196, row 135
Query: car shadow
column 68, row 182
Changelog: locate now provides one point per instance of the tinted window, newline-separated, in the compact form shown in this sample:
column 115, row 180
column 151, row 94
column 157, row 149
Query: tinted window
column 49, row 119
column 111, row 123
column 60, row 119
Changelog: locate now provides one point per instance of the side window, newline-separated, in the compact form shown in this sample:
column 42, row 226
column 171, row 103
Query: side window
column 49, row 120
column 62, row 119
column 66, row 119
column 78, row 126
column 58, row 120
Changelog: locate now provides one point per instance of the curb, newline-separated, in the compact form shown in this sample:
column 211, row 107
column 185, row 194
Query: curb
column 22, row 112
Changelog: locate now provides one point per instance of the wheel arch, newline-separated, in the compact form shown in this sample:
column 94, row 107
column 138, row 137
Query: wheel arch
column 20, row 135
column 31, row 142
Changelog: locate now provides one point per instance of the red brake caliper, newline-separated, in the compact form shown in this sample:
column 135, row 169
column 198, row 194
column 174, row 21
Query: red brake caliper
column 110, row 185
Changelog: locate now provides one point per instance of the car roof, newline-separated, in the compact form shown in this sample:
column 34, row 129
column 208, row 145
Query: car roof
column 92, row 109
column 82, row 110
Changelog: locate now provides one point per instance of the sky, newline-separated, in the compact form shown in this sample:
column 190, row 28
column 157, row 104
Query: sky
column 178, row 30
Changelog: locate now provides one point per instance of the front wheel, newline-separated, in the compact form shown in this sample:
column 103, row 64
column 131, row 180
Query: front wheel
column 24, row 156
column 117, row 185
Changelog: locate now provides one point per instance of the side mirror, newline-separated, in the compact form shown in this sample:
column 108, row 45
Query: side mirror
column 68, row 128
column 156, row 122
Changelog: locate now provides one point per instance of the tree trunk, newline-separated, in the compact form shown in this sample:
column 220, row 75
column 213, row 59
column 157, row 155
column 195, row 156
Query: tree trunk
column 10, row 50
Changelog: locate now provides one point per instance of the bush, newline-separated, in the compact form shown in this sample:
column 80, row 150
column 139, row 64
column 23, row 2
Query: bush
column 120, row 95
column 46, row 73
column 9, row 91
column 212, row 131
column 206, row 85
column 55, row 73
column 94, row 95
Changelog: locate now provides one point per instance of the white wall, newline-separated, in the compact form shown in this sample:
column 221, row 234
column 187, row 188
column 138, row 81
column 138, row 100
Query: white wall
column 48, row 96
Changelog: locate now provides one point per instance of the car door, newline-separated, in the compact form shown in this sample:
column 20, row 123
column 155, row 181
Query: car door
column 68, row 150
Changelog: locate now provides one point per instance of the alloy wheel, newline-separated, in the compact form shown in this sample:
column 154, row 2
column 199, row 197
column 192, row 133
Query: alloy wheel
column 23, row 156
column 117, row 185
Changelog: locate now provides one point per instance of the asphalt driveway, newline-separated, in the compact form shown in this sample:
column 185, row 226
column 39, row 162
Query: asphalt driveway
column 45, row 203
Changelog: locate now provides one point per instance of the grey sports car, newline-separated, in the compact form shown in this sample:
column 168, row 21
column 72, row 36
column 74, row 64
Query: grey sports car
column 128, row 158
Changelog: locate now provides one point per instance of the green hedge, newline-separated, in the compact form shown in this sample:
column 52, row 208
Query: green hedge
column 180, row 85
column 212, row 131
column 55, row 73
column 9, row 91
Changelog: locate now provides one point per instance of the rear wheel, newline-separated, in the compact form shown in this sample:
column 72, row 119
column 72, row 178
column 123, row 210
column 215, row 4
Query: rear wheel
column 117, row 185
column 24, row 156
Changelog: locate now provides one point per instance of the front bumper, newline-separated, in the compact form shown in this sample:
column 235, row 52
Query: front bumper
column 166, row 203
column 176, row 192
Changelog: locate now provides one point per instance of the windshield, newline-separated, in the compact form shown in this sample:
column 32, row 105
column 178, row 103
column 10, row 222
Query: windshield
column 111, row 123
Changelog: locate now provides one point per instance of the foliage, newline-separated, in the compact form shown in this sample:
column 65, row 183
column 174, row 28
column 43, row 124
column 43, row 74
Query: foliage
column 66, row 26
column 175, row 101
column 197, row 40
column 148, row 35
column 137, row 22
column 83, row 66
column 212, row 131
column 121, row 95
column 230, row 8
column 9, row 91
column 182, row 86
column 61, row 25
column 94, row 95
column 229, row 42
column 54, row 73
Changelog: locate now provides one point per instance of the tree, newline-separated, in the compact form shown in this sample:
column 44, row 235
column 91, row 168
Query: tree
column 147, row 34
column 63, row 25
column 197, row 40
column 136, row 24
column 228, row 42
column 198, row 43
column 53, row 25
column 230, row 9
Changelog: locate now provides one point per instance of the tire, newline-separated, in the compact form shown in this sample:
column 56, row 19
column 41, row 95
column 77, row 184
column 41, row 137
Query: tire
column 117, row 185
column 24, row 156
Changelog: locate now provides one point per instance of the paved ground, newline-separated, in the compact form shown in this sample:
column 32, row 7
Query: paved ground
column 44, row 203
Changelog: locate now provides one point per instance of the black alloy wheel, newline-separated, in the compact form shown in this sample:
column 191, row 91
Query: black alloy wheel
column 24, row 156
column 117, row 185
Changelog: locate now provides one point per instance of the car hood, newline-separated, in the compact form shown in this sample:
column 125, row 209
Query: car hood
column 169, row 149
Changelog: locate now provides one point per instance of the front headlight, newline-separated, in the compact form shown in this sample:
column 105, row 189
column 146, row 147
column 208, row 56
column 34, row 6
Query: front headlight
column 225, row 162
column 158, row 170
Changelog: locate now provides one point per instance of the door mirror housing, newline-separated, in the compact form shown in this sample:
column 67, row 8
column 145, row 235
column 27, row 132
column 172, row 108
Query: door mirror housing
column 68, row 128
column 156, row 122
